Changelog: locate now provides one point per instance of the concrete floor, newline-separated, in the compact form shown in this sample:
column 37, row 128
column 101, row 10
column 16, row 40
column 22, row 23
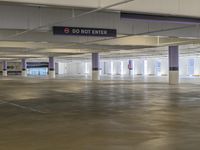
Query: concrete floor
column 104, row 115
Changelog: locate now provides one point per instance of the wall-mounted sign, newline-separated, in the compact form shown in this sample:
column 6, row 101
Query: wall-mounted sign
column 58, row 30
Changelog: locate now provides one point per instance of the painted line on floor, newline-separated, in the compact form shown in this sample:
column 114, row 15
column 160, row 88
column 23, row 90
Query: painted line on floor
column 23, row 107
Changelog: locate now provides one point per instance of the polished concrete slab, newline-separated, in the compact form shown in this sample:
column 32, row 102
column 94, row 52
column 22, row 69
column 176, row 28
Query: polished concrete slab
column 62, row 114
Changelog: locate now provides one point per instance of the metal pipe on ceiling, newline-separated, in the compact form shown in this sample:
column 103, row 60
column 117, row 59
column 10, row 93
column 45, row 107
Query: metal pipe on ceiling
column 160, row 18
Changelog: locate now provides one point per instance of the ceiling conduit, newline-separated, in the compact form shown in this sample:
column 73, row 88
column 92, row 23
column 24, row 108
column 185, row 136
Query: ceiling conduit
column 160, row 18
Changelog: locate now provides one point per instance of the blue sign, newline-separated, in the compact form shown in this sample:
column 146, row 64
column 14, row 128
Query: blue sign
column 77, row 31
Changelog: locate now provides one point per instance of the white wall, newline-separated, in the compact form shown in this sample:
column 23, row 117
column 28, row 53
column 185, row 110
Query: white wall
column 197, row 66
column 108, row 67
column 120, row 67
column 183, row 66
column 139, row 67
column 61, row 68
column 125, row 67
column 164, row 70
column 151, row 66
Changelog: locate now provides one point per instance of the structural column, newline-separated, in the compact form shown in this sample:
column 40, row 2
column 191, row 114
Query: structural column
column 51, row 67
column 130, row 67
column 95, row 66
column 5, row 67
column 173, row 65
column 24, row 68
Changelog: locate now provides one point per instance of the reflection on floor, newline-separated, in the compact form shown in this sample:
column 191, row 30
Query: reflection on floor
column 104, row 115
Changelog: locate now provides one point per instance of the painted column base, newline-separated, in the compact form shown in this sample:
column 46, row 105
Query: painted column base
column 130, row 72
column 52, row 74
column 24, row 73
column 96, row 75
column 173, row 77
column 5, row 73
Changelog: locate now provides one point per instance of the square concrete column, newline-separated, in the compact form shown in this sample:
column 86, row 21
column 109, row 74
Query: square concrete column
column 173, row 65
column 95, row 66
column 5, row 67
column 130, row 67
column 51, row 67
column 24, row 67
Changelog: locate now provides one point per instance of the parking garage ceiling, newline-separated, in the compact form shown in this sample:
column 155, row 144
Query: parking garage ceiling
column 173, row 7
column 122, row 46
column 127, row 46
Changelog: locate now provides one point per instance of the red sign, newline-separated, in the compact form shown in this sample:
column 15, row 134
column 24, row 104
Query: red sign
column 66, row 30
